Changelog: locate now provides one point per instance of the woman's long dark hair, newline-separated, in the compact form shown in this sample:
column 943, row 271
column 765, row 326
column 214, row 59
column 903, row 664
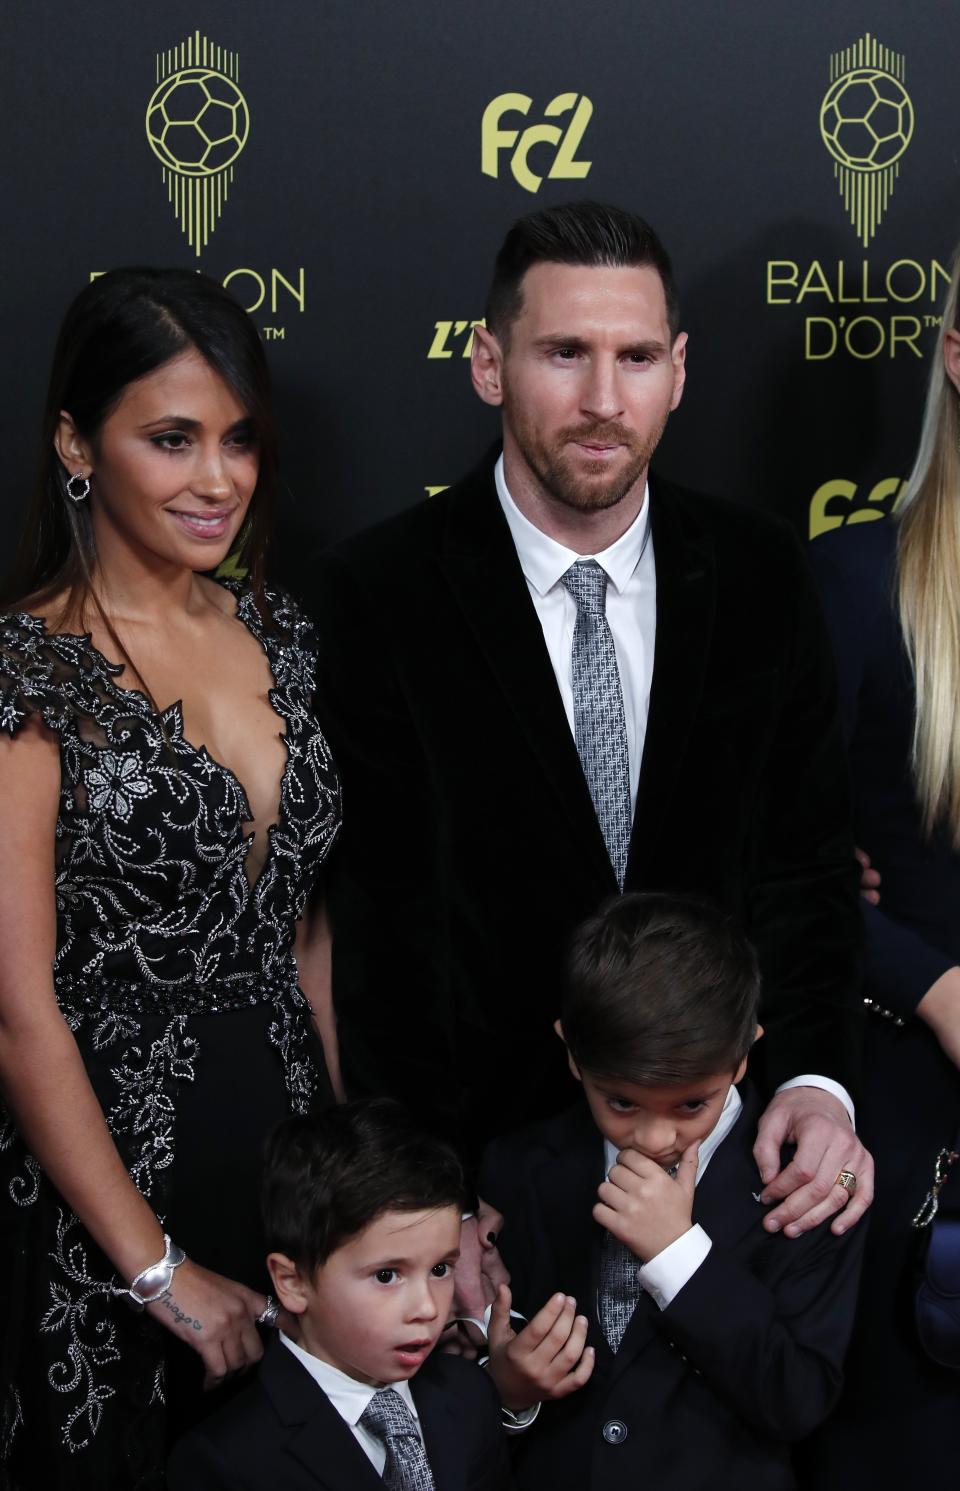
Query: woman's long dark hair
column 123, row 325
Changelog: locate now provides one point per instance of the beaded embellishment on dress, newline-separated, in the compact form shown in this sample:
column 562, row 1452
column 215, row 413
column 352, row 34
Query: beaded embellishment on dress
column 158, row 929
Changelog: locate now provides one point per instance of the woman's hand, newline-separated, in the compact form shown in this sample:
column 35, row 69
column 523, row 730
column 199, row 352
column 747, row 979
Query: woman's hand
column 214, row 1315
column 940, row 1009
column 478, row 1275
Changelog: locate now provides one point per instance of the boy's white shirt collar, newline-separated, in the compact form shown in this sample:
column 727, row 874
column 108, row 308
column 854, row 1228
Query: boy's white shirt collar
column 729, row 1114
column 349, row 1397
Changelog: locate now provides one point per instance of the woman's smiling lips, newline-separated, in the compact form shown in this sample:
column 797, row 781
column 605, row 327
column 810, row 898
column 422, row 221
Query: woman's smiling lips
column 203, row 525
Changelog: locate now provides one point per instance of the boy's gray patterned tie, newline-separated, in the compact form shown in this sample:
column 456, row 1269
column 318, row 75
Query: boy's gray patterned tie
column 600, row 725
column 620, row 1288
column 387, row 1417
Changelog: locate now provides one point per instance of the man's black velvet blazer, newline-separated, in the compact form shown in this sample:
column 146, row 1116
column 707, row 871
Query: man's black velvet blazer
column 470, row 849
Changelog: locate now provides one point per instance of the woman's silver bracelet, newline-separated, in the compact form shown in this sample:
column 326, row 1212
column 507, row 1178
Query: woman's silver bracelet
column 154, row 1283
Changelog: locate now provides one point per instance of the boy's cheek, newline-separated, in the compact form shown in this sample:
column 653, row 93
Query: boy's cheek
column 444, row 1300
column 618, row 1134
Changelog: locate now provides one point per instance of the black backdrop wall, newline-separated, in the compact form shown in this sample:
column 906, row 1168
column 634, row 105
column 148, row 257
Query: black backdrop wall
column 350, row 169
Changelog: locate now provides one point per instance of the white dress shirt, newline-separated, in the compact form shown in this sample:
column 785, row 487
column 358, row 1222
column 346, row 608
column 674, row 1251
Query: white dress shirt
column 351, row 1399
column 632, row 618
column 631, row 610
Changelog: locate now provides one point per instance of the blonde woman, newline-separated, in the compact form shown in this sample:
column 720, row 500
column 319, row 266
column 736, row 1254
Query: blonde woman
column 892, row 595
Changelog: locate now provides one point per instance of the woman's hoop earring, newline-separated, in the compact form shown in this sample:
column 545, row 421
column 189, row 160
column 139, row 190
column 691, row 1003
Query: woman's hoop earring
column 78, row 496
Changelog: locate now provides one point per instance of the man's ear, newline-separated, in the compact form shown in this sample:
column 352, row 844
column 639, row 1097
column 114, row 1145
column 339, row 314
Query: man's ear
column 486, row 366
column 678, row 356
column 570, row 1061
column 288, row 1283
column 75, row 453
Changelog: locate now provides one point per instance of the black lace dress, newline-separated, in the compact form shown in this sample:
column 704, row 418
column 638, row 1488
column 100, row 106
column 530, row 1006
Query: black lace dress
column 175, row 975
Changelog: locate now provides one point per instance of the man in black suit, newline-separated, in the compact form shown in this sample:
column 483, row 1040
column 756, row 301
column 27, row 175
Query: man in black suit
column 707, row 1346
column 501, row 778
column 362, row 1216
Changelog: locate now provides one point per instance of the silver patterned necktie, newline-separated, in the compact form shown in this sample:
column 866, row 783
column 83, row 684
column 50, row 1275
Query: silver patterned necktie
column 389, row 1419
column 600, row 725
column 620, row 1288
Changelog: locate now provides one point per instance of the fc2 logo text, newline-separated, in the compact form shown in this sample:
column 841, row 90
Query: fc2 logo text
column 495, row 140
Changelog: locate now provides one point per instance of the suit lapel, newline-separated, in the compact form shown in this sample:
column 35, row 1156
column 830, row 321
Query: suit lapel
column 442, row 1438
column 566, row 1188
column 480, row 565
column 318, row 1438
column 686, row 596
column 726, row 1199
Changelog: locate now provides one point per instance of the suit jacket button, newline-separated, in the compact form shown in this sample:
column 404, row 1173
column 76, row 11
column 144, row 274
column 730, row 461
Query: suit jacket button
column 615, row 1431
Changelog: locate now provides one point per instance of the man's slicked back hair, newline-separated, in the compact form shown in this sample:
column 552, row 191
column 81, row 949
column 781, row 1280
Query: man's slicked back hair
column 593, row 234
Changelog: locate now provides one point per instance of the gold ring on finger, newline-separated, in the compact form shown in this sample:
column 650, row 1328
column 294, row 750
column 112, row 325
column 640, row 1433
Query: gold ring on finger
column 847, row 1180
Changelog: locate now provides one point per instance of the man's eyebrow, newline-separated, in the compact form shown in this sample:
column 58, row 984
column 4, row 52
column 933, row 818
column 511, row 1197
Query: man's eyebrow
column 648, row 347
column 557, row 339
column 651, row 347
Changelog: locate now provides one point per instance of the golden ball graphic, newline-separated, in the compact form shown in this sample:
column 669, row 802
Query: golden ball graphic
column 866, row 119
column 197, row 121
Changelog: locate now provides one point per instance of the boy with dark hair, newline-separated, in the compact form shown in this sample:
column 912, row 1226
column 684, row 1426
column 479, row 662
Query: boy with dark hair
column 716, row 1343
column 362, row 1219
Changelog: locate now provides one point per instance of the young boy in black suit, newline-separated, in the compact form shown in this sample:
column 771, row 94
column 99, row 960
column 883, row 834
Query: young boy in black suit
column 362, row 1219
column 706, row 1344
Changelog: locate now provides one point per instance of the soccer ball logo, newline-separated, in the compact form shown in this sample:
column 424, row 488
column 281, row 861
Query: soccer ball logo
column 197, row 121
column 866, row 119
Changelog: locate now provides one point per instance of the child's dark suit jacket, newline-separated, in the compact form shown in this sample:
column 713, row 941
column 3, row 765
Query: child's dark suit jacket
column 283, row 1434
column 709, row 1392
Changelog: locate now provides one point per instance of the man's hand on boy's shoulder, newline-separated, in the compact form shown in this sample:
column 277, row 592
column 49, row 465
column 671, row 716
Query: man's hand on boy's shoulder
column 827, row 1147
column 548, row 1359
column 645, row 1207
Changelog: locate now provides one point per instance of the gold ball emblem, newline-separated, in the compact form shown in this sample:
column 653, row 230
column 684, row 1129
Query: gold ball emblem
column 197, row 121
column 866, row 119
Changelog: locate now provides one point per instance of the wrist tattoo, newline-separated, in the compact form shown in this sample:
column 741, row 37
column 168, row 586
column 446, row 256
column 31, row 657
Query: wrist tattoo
column 182, row 1319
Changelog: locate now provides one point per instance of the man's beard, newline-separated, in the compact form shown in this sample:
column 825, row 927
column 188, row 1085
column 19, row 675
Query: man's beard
column 578, row 488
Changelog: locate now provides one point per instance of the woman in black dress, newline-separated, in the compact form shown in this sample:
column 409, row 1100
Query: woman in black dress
column 166, row 801
column 891, row 590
